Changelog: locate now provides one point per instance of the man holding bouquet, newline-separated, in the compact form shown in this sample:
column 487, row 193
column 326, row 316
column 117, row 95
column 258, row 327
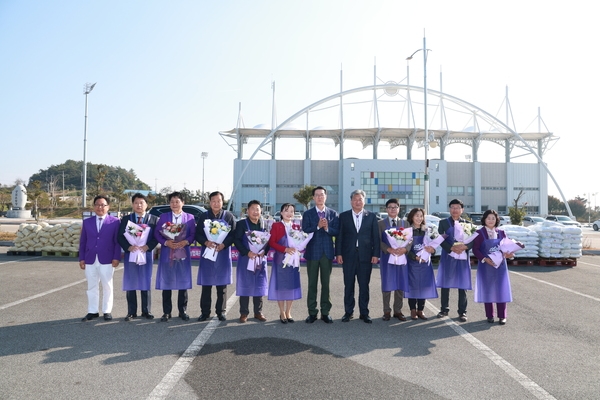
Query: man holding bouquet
column 324, row 223
column 251, row 270
column 357, row 249
column 215, row 272
column 136, row 235
column 394, row 278
column 454, row 272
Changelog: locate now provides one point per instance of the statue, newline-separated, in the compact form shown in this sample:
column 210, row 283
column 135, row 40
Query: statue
column 19, row 199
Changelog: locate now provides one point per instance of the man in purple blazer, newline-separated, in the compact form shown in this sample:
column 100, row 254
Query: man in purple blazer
column 99, row 255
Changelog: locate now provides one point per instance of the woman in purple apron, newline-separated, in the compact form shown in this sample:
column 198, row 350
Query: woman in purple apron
column 421, row 280
column 492, row 283
column 284, row 285
column 393, row 277
column 253, row 281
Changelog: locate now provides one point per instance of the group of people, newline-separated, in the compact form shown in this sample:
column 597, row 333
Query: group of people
column 355, row 239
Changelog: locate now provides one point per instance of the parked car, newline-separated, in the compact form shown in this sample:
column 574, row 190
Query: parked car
column 277, row 216
column 530, row 220
column 505, row 220
column 441, row 214
column 196, row 211
column 596, row 225
column 563, row 219
column 297, row 215
column 475, row 218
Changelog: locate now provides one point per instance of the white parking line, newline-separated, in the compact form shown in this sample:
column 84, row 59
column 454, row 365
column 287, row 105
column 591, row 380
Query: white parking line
column 510, row 370
column 162, row 390
column 22, row 259
column 556, row 286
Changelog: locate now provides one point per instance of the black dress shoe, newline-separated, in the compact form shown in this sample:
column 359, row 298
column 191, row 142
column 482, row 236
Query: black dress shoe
column 203, row 317
column 490, row 320
column 107, row 316
column 327, row 319
column 291, row 320
column 366, row 319
column 442, row 314
column 502, row 321
column 283, row 320
column 184, row 317
column 165, row 317
column 347, row 317
column 89, row 317
column 221, row 317
column 147, row 315
column 129, row 317
column 310, row 319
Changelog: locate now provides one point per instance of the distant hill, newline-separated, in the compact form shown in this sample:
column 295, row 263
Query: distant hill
column 114, row 177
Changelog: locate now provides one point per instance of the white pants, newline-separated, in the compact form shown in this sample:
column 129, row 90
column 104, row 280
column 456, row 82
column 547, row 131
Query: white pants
column 96, row 273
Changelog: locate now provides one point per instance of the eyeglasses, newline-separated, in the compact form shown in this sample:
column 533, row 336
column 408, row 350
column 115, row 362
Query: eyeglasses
column 456, row 208
column 100, row 205
column 393, row 208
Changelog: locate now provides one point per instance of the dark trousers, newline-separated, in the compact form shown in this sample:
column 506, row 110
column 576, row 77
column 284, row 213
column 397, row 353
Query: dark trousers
column 182, row 300
column 314, row 268
column 132, row 301
column 355, row 270
column 416, row 304
column 462, row 300
column 206, row 299
column 489, row 310
column 245, row 302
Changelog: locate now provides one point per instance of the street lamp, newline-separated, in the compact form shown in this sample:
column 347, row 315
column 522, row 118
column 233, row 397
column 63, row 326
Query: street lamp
column 426, row 183
column 204, row 154
column 86, row 90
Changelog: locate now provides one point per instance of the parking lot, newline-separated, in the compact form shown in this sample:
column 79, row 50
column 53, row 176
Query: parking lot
column 548, row 348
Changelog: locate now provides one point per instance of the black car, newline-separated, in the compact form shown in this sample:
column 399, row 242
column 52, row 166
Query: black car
column 196, row 211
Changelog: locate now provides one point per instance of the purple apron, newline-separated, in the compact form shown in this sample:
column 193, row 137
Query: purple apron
column 250, row 283
column 492, row 285
column 285, row 282
column 215, row 273
column 393, row 277
column 453, row 273
column 421, row 280
column 138, row 277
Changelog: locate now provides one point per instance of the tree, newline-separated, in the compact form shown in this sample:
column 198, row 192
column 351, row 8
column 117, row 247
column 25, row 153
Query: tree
column 34, row 193
column 99, row 180
column 555, row 206
column 516, row 214
column 119, row 193
column 578, row 207
column 304, row 196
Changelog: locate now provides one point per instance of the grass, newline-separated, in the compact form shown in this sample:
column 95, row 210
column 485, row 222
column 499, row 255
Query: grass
column 7, row 236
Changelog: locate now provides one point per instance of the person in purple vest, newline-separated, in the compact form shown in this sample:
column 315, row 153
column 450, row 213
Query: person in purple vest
column 138, row 277
column 174, row 271
column 99, row 255
column 253, row 281
column 492, row 284
column 215, row 273
column 394, row 278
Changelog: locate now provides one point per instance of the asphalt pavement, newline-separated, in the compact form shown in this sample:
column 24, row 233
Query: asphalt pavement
column 548, row 348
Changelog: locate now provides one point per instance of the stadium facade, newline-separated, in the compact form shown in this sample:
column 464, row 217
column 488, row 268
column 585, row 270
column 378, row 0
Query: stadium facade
column 394, row 113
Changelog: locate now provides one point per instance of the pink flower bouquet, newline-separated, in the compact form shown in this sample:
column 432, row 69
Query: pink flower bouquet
column 176, row 233
column 464, row 232
column 506, row 246
column 257, row 240
column 298, row 239
column 398, row 238
column 137, row 235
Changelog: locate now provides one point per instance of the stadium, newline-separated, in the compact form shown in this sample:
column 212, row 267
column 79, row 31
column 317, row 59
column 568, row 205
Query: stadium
column 409, row 143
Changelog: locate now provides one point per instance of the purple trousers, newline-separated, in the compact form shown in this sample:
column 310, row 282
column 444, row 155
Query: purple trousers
column 500, row 307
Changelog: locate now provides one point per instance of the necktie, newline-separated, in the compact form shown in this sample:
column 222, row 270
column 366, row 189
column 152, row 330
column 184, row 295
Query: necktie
column 321, row 214
column 139, row 220
column 358, row 223
column 99, row 224
column 393, row 222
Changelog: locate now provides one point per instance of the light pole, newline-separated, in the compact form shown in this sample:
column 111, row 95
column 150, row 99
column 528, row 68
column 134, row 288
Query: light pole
column 86, row 90
column 204, row 154
column 426, row 183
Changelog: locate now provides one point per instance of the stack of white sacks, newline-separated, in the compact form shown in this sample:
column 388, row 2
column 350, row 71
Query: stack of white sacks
column 558, row 240
column 526, row 236
column 45, row 237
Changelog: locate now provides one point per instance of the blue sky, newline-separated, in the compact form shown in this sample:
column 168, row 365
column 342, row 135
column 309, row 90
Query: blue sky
column 170, row 76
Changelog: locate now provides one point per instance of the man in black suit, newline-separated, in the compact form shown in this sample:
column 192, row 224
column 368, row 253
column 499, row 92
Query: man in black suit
column 357, row 249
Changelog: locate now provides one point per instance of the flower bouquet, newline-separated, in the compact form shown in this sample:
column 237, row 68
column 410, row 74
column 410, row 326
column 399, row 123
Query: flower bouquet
column 398, row 238
column 176, row 233
column 506, row 246
column 257, row 240
column 216, row 231
column 137, row 235
column 298, row 239
column 465, row 233
column 433, row 239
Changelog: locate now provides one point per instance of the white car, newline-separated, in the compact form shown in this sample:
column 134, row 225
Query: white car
column 596, row 225
column 504, row 220
column 563, row 219
column 530, row 220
